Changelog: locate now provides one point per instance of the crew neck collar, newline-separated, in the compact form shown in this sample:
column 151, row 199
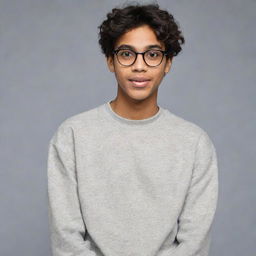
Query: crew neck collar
column 124, row 120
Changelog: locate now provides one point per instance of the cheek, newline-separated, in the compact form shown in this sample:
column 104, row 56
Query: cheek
column 120, row 75
column 120, row 78
column 159, row 74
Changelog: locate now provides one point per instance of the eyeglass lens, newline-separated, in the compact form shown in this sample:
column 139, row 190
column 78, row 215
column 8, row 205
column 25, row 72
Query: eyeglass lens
column 127, row 57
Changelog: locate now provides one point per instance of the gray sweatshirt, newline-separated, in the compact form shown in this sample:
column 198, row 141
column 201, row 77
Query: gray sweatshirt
column 123, row 187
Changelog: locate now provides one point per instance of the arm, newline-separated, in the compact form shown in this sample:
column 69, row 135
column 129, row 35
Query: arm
column 195, row 220
column 67, row 227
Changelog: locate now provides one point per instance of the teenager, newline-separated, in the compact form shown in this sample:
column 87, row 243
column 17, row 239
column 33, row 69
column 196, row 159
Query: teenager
column 129, row 177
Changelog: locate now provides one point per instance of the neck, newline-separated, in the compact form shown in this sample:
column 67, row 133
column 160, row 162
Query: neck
column 134, row 110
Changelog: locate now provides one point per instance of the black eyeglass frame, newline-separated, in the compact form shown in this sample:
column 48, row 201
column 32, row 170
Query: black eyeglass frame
column 165, row 53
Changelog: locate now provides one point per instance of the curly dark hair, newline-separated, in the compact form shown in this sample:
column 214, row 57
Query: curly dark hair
column 121, row 20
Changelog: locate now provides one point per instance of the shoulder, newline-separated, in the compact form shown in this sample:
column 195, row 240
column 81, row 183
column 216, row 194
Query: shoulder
column 181, row 125
column 68, row 126
column 187, row 129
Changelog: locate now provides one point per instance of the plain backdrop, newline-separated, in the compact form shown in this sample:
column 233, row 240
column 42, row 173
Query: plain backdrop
column 51, row 67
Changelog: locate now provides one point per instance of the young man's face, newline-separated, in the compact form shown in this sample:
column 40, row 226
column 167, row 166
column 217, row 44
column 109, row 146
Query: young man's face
column 139, row 39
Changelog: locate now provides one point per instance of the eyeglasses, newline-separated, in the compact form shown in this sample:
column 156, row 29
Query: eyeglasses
column 152, row 58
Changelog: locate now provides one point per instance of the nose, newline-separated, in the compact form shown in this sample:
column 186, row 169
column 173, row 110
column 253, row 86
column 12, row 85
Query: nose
column 139, row 64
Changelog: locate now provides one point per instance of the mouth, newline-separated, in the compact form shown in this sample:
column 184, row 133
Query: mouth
column 139, row 82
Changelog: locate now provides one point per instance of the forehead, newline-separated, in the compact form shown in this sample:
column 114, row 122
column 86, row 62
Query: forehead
column 139, row 38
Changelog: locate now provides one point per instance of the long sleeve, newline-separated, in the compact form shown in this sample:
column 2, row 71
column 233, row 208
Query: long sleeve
column 195, row 220
column 66, row 223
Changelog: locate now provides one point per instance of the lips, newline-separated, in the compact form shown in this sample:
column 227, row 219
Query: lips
column 139, row 81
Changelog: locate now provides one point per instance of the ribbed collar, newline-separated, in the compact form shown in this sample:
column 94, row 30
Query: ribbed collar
column 121, row 119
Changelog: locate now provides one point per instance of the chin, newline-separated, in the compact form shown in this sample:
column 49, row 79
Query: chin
column 139, row 97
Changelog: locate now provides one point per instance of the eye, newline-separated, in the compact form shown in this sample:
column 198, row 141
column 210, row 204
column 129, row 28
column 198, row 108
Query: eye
column 125, row 53
column 153, row 54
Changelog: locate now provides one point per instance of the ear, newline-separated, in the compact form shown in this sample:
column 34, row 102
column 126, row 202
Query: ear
column 168, row 65
column 110, row 62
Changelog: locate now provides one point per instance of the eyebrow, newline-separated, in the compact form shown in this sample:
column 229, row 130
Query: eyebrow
column 127, row 46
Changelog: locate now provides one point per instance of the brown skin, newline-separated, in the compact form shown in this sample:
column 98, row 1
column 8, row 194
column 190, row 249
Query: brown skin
column 137, row 103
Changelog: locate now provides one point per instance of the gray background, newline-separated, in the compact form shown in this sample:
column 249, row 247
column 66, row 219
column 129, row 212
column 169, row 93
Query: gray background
column 51, row 67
